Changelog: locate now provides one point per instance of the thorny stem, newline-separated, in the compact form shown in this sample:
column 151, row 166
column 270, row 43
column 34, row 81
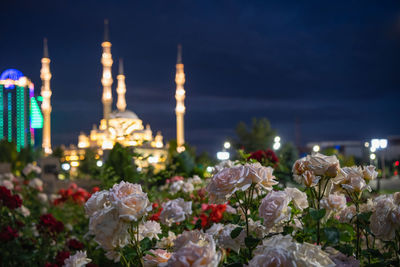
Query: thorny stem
column 319, row 220
column 366, row 239
column 136, row 243
column 125, row 261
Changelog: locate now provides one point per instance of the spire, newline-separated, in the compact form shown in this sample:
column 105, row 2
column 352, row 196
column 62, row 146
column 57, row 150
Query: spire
column 121, row 67
column 106, row 31
column 180, row 102
column 45, row 49
column 179, row 57
column 121, row 87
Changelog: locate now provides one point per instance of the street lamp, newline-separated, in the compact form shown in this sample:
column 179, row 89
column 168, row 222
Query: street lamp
column 277, row 143
column 316, row 148
column 380, row 144
column 276, row 146
column 227, row 145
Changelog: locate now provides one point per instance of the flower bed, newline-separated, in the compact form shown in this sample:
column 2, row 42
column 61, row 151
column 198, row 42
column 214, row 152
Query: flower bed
column 239, row 216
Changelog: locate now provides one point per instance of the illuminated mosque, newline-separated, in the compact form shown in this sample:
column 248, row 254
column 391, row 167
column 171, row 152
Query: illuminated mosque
column 124, row 126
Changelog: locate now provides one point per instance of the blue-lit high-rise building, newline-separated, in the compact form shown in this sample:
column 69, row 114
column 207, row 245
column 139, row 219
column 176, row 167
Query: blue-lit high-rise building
column 20, row 113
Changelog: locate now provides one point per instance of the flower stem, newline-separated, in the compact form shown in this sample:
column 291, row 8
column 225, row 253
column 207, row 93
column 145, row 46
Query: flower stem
column 358, row 247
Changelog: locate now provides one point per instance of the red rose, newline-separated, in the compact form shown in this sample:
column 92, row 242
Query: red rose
column 204, row 220
column 49, row 223
column 9, row 200
column 95, row 189
column 61, row 256
column 8, row 234
column 74, row 244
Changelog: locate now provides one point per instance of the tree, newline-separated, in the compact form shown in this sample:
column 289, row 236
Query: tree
column 58, row 152
column 258, row 136
column 120, row 166
column 89, row 164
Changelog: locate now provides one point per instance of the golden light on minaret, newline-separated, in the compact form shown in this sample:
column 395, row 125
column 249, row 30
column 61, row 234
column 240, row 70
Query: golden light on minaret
column 121, row 87
column 180, row 104
column 106, row 80
column 45, row 75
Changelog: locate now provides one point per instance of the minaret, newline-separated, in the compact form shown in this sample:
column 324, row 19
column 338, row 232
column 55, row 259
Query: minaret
column 45, row 75
column 180, row 105
column 106, row 80
column 121, row 88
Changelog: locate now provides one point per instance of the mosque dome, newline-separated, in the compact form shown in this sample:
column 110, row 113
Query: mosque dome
column 126, row 114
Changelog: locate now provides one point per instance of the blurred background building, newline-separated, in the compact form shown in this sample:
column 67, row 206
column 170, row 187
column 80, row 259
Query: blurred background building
column 20, row 114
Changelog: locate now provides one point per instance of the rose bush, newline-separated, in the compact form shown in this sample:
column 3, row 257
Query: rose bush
column 240, row 216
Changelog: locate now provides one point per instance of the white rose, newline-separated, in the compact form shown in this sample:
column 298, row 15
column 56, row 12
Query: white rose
column 226, row 182
column 149, row 229
column 356, row 184
column 24, row 211
column 261, row 175
column 31, row 168
column 167, row 242
column 7, row 184
column 347, row 214
column 79, row 259
column 322, row 165
column 42, row 198
column 383, row 221
column 158, row 256
column 299, row 198
column 274, row 208
column 334, row 202
column 131, row 201
column 175, row 211
column 36, row 183
column 97, row 202
column 369, row 172
column 283, row 251
column 272, row 257
column 175, row 187
column 194, row 236
column 187, row 187
column 109, row 231
column 196, row 253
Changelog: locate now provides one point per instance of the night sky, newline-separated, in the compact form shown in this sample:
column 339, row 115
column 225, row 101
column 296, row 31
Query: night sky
column 332, row 66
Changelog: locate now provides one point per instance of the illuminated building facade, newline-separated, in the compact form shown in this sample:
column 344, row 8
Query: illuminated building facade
column 121, row 125
column 20, row 113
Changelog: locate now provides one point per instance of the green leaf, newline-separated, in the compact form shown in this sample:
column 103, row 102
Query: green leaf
column 332, row 235
column 236, row 232
column 317, row 214
column 251, row 242
column 287, row 230
column 145, row 244
column 235, row 219
column 345, row 249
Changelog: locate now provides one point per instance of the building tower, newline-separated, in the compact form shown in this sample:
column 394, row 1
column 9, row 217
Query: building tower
column 45, row 75
column 121, row 88
column 20, row 113
column 180, row 105
column 106, row 80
